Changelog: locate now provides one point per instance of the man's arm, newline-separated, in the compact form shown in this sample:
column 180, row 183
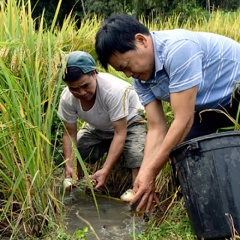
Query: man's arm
column 160, row 142
column 69, row 136
column 115, row 150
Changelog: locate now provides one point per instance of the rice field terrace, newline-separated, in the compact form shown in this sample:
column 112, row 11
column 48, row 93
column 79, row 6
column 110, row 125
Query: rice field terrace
column 31, row 161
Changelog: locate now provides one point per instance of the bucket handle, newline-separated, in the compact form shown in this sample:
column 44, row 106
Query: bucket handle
column 186, row 151
column 176, row 162
column 193, row 146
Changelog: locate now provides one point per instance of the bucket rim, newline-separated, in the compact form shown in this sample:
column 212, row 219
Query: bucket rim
column 206, row 137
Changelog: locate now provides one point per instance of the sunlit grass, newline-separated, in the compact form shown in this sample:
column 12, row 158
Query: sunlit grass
column 29, row 92
column 30, row 87
column 219, row 22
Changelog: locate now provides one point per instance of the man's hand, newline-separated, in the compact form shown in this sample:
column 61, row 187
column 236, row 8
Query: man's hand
column 101, row 176
column 144, row 186
column 68, row 171
column 69, row 137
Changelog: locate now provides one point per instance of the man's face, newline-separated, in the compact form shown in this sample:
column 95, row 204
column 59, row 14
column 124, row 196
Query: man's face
column 84, row 88
column 138, row 63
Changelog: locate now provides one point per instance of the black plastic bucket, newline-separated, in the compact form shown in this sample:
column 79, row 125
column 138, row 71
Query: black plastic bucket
column 208, row 170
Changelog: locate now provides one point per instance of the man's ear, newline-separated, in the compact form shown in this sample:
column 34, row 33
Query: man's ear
column 141, row 39
column 94, row 73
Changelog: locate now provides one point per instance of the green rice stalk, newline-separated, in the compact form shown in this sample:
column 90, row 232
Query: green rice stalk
column 29, row 90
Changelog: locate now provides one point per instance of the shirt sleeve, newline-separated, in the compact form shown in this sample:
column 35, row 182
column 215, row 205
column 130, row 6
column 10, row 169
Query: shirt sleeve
column 184, row 65
column 118, row 104
column 144, row 91
column 66, row 110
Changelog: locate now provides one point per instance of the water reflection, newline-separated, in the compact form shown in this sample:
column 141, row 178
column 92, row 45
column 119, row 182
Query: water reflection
column 114, row 222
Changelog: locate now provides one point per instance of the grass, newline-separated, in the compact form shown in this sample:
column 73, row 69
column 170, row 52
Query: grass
column 30, row 137
column 175, row 226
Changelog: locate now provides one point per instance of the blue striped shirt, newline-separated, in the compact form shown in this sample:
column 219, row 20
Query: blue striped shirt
column 184, row 59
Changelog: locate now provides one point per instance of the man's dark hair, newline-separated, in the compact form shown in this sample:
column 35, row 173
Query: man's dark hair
column 117, row 34
column 72, row 74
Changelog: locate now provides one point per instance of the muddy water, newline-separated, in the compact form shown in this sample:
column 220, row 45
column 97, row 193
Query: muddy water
column 115, row 221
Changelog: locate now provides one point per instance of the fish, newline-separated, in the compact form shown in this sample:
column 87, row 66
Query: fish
column 94, row 182
column 67, row 184
column 128, row 195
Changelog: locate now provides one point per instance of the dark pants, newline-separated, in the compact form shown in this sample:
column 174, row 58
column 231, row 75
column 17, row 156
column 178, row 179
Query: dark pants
column 94, row 143
column 211, row 121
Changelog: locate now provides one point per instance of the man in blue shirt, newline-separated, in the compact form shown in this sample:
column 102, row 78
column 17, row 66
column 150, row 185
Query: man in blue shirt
column 194, row 71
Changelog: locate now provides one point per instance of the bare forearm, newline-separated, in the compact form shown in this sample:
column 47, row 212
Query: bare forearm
column 159, row 148
column 153, row 141
column 152, row 145
column 115, row 151
column 155, row 157
column 68, row 153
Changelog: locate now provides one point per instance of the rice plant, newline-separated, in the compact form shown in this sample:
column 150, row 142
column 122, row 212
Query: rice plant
column 29, row 92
